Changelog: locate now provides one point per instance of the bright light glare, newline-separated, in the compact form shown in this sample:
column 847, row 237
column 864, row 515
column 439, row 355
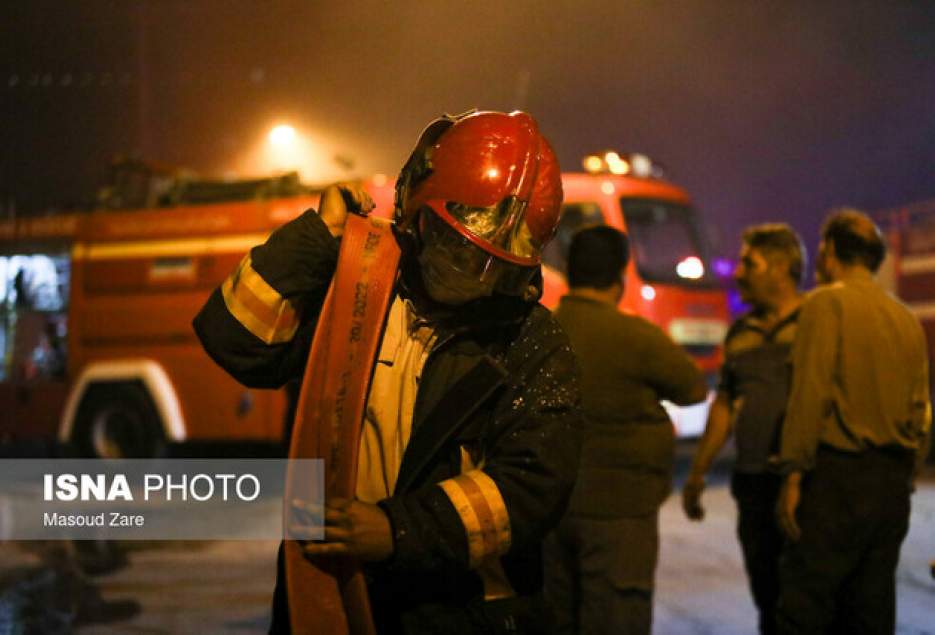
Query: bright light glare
column 691, row 268
column 724, row 267
column 607, row 188
column 615, row 164
column 618, row 167
column 282, row 135
column 642, row 165
column 493, row 173
column 648, row 292
column 285, row 144
column 593, row 163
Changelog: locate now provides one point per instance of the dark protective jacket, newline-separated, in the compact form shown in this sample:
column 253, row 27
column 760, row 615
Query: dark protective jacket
column 500, row 386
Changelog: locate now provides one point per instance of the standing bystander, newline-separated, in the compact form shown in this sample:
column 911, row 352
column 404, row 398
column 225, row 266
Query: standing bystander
column 751, row 402
column 601, row 560
column 855, row 433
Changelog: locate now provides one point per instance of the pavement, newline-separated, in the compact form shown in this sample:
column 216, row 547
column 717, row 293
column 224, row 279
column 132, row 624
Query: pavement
column 225, row 586
column 206, row 587
column 701, row 586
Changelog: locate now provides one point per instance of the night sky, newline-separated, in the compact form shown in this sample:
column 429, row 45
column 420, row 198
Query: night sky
column 762, row 111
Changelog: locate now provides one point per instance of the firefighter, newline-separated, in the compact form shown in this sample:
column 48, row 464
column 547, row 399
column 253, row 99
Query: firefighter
column 448, row 519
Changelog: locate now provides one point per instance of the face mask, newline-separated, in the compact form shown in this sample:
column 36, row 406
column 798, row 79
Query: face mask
column 445, row 282
column 455, row 270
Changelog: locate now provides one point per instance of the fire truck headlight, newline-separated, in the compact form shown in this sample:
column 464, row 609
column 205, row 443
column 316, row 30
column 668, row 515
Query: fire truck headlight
column 690, row 268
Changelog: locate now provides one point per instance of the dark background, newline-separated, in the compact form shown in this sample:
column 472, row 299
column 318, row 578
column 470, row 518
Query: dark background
column 763, row 111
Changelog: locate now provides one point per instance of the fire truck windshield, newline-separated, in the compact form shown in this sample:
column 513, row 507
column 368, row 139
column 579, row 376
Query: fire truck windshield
column 666, row 242
column 33, row 305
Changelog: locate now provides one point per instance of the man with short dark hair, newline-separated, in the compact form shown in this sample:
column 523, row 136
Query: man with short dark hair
column 751, row 402
column 600, row 562
column 855, row 433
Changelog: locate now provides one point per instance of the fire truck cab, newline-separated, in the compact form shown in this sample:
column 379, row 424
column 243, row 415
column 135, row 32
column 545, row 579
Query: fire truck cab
column 669, row 280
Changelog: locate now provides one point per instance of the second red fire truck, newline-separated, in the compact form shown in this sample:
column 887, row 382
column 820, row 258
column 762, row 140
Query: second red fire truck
column 96, row 308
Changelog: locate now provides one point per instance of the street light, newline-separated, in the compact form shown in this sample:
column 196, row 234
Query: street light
column 282, row 145
column 286, row 149
column 282, row 135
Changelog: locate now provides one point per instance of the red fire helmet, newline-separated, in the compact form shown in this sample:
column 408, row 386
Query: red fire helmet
column 492, row 177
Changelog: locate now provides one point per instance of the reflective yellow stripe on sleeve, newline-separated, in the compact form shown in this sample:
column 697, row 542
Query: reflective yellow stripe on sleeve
column 258, row 306
column 483, row 513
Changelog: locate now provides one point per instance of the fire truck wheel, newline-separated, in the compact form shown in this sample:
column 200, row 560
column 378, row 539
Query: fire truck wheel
column 118, row 422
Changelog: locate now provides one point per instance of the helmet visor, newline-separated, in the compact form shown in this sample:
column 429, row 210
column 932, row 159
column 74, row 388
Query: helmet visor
column 498, row 229
column 455, row 261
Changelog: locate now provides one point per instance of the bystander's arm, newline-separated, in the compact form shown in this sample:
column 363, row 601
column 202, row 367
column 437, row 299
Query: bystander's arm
column 717, row 430
column 924, row 448
column 787, row 505
column 922, row 414
column 814, row 356
column 672, row 372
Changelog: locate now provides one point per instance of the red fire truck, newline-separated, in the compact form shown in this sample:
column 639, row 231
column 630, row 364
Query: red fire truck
column 669, row 280
column 909, row 270
column 96, row 308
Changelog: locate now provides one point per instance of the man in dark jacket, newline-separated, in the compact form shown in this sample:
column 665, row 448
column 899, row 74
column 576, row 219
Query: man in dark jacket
column 751, row 403
column 470, row 440
column 601, row 561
